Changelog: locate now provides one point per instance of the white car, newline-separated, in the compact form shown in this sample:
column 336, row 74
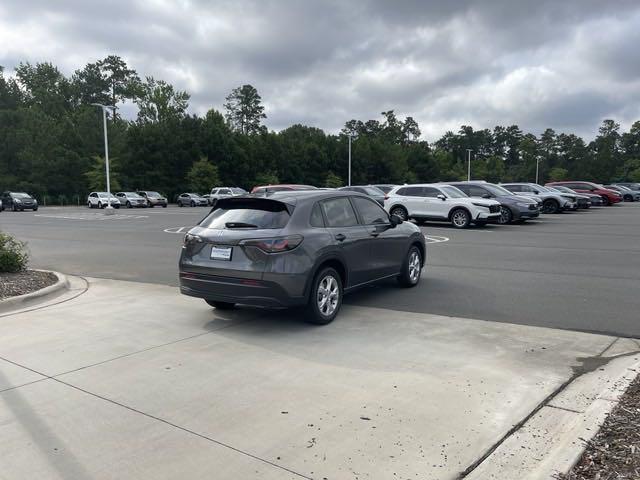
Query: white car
column 430, row 201
column 101, row 200
column 131, row 199
column 224, row 192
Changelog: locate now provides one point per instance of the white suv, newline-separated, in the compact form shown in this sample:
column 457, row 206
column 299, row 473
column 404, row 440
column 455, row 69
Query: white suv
column 430, row 201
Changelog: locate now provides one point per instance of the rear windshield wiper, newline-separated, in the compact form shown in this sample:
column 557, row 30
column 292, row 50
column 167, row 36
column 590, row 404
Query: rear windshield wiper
column 240, row 225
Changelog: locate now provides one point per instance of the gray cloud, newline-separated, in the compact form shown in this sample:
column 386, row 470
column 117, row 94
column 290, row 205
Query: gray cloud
column 564, row 65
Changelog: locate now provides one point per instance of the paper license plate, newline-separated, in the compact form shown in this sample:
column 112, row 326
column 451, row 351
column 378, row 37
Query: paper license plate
column 221, row 253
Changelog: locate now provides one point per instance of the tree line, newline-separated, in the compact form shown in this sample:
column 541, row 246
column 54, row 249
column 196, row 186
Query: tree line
column 51, row 142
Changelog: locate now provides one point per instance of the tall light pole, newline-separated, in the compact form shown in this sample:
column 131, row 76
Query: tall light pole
column 109, row 209
column 349, row 161
column 469, row 164
column 538, row 158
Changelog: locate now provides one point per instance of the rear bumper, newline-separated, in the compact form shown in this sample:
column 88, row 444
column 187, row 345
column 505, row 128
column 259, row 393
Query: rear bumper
column 259, row 293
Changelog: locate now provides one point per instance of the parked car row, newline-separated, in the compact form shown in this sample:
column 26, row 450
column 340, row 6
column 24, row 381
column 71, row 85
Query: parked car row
column 142, row 199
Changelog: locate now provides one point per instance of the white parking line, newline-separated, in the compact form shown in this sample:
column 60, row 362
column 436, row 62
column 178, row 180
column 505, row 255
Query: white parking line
column 177, row 229
column 93, row 216
column 435, row 239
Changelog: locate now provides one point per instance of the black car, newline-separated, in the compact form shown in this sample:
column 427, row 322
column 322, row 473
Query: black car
column 374, row 192
column 18, row 201
column 297, row 248
column 513, row 208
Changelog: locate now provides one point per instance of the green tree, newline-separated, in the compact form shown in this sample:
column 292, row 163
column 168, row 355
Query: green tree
column 158, row 101
column 268, row 178
column 97, row 175
column 332, row 180
column 245, row 110
column 203, row 176
column 123, row 82
column 557, row 174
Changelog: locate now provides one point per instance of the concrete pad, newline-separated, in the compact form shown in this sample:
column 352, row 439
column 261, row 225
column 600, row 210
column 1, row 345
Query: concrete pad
column 376, row 394
column 51, row 431
column 11, row 375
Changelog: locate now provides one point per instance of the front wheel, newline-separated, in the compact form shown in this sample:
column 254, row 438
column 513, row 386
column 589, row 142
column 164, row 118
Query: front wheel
column 411, row 269
column 460, row 218
column 400, row 212
column 605, row 201
column 506, row 216
column 100, row 205
column 326, row 297
column 550, row 206
column 35, row 209
column 193, row 204
column 164, row 205
column 220, row 305
column 128, row 204
column 89, row 205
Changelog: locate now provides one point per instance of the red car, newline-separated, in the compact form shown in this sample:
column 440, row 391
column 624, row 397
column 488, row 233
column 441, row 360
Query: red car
column 609, row 197
column 281, row 188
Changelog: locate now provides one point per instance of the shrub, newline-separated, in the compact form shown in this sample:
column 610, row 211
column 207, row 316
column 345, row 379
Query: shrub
column 13, row 254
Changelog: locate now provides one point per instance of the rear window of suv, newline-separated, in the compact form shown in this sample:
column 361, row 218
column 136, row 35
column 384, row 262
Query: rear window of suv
column 247, row 213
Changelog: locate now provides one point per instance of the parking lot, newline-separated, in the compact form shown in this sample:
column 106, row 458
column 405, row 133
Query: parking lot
column 576, row 271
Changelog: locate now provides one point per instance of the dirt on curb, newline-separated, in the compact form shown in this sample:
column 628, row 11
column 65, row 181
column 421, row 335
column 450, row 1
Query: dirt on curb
column 13, row 284
column 614, row 453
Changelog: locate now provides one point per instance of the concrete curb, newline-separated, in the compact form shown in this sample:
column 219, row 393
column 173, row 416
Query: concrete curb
column 21, row 301
column 553, row 440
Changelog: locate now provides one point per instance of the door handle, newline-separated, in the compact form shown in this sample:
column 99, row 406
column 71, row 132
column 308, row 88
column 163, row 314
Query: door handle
column 340, row 237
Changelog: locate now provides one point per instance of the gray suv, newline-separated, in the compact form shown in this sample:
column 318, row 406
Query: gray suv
column 513, row 208
column 297, row 248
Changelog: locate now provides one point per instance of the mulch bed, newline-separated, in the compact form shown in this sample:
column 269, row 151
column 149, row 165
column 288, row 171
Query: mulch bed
column 614, row 453
column 12, row 284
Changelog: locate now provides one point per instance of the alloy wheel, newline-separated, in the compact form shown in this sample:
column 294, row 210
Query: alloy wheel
column 505, row 215
column 328, row 295
column 459, row 218
column 414, row 266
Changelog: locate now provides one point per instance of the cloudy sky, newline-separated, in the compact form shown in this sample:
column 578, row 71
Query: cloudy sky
column 565, row 64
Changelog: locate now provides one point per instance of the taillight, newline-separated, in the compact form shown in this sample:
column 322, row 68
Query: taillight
column 188, row 238
column 275, row 244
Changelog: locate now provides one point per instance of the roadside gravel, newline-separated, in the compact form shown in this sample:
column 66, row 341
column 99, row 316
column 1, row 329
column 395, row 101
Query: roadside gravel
column 13, row 284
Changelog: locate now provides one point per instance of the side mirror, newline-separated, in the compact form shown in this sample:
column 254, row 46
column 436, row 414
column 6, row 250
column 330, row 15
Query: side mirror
column 441, row 197
column 395, row 221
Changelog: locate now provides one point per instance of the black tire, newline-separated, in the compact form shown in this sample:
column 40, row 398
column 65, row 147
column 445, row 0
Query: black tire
column 550, row 206
column 14, row 208
column 89, row 205
column 628, row 198
column 325, row 278
column 128, row 204
column 460, row 218
column 605, row 201
column 410, row 277
column 164, row 206
column 35, row 209
column 506, row 215
column 400, row 212
column 221, row 305
column 193, row 204
column 116, row 206
column 100, row 205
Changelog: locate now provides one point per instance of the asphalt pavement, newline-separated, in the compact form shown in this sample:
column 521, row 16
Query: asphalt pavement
column 576, row 271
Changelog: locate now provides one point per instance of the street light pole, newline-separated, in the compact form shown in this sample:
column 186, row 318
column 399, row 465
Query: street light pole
column 537, row 167
column 349, row 160
column 469, row 165
column 109, row 209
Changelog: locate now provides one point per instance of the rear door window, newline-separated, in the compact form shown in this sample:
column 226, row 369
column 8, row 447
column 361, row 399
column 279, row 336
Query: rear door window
column 339, row 213
column 430, row 192
column 473, row 191
column 248, row 213
column 316, row 219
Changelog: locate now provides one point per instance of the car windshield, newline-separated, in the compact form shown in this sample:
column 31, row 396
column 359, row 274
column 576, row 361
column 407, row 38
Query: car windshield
column 153, row 194
column 540, row 188
column 496, row 190
column 453, row 192
column 238, row 191
column 132, row 194
column 105, row 195
column 385, row 188
column 247, row 213
column 20, row 195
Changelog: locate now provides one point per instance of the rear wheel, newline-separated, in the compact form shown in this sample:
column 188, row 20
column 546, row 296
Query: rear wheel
column 193, row 204
column 460, row 218
column 128, row 204
column 605, row 201
column 100, row 205
column 220, row 305
column 506, row 216
column 180, row 204
column 400, row 212
column 411, row 269
column 326, row 297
